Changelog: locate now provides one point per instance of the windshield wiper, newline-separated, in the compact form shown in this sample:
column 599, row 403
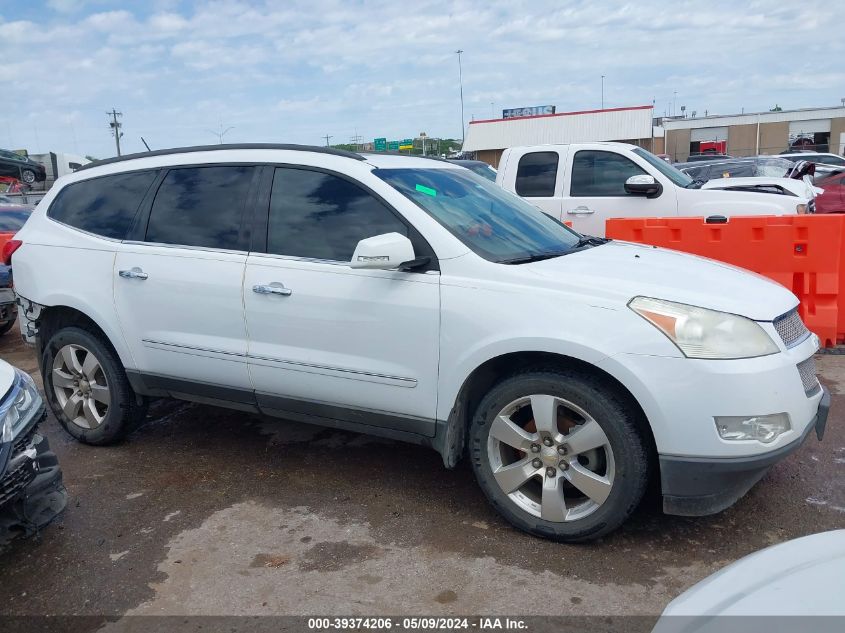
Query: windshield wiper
column 695, row 184
column 535, row 257
column 589, row 240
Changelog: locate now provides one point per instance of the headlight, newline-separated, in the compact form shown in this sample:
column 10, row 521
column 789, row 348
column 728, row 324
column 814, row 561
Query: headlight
column 703, row 333
column 16, row 410
column 801, row 209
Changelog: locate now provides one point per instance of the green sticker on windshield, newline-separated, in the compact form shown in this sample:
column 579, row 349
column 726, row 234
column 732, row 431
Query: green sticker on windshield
column 426, row 190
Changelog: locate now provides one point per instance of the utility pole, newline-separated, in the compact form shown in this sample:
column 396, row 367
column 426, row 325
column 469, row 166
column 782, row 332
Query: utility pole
column 115, row 126
column 602, row 92
column 220, row 133
column 327, row 137
column 356, row 141
column 461, row 80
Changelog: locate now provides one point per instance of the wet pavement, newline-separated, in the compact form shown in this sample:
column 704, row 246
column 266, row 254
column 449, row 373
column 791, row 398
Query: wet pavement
column 209, row 511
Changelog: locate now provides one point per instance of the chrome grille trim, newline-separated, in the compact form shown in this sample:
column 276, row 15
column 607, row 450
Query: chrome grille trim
column 807, row 371
column 791, row 328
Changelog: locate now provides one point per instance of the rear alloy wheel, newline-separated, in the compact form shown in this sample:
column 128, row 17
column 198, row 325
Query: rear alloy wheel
column 559, row 454
column 28, row 176
column 87, row 388
column 80, row 386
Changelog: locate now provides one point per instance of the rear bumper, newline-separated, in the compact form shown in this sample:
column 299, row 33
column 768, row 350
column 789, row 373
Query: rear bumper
column 697, row 486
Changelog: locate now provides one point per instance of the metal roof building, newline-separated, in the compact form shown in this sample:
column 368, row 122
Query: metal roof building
column 488, row 138
column 749, row 134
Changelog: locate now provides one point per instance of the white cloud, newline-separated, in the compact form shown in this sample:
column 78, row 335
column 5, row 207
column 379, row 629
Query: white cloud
column 301, row 69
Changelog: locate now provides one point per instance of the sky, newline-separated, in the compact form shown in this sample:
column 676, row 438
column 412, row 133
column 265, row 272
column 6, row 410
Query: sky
column 297, row 70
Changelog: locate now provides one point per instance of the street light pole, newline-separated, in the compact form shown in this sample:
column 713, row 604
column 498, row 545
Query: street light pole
column 461, row 80
column 602, row 92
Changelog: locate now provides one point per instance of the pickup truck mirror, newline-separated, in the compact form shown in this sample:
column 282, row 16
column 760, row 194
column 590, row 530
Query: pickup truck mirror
column 643, row 185
column 382, row 252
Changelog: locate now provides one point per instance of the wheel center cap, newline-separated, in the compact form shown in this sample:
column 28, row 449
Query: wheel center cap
column 549, row 456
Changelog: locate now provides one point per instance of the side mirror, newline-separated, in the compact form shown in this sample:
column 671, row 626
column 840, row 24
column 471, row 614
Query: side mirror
column 382, row 252
column 643, row 185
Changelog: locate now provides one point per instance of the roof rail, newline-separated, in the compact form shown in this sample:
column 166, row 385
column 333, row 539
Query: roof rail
column 366, row 153
column 212, row 148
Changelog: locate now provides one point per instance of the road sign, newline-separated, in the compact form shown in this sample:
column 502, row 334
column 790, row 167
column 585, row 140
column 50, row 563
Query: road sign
column 380, row 144
column 408, row 143
column 393, row 146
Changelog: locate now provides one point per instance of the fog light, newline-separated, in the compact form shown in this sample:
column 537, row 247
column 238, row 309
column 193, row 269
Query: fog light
column 763, row 428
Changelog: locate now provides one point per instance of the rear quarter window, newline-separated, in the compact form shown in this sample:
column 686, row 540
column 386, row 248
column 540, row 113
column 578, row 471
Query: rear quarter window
column 104, row 206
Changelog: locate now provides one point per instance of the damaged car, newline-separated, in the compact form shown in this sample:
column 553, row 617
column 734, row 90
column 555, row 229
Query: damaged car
column 31, row 489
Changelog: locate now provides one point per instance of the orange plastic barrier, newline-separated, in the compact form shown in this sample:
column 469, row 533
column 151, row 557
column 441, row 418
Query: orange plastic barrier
column 802, row 252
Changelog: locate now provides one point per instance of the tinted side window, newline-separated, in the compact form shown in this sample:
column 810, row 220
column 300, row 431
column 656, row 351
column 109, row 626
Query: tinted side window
column 105, row 206
column 536, row 175
column 322, row 216
column 202, row 206
column 597, row 173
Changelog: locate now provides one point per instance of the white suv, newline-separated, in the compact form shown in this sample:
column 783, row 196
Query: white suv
column 409, row 298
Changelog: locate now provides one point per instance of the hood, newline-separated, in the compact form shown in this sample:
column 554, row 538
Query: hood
column 799, row 577
column 797, row 187
column 619, row 271
column 7, row 377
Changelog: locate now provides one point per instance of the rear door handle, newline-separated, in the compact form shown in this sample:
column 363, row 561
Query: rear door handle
column 133, row 273
column 582, row 210
column 274, row 288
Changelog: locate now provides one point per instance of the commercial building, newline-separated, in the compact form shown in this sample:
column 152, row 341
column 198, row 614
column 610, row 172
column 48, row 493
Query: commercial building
column 490, row 137
column 817, row 129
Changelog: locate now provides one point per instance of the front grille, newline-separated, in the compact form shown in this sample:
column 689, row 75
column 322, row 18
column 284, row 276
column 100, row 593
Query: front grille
column 791, row 328
column 807, row 371
column 14, row 482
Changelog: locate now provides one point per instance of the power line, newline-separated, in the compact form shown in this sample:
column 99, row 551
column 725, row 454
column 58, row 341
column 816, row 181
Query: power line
column 115, row 126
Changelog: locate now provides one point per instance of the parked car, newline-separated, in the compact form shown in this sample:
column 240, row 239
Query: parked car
column 707, row 156
column 31, row 490
column 587, row 183
column 12, row 218
column 21, row 167
column 833, row 198
column 479, row 167
column 802, row 577
column 407, row 298
column 8, row 307
column 737, row 167
column 825, row 158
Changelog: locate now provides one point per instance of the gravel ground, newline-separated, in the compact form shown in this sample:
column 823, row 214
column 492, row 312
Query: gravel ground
column 206, row 511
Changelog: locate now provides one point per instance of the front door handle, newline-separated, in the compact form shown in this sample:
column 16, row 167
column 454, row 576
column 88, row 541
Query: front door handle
column 133, row 273
column 582, row 210
column 274, row 288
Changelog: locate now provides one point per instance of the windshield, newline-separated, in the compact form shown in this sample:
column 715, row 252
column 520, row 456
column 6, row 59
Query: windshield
column 679, row 178
column 485, row 171
column 493, row 223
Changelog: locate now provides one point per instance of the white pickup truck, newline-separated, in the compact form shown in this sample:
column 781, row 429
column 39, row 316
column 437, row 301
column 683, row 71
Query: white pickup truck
column 586, row 183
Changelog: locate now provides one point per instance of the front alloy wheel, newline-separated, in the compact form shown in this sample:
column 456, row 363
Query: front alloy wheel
column 560, row 453
column 80, row 386
column 551, row 458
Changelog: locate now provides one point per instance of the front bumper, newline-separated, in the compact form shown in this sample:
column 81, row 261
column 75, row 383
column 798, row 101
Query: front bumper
column 31, row 490
column 694, row 486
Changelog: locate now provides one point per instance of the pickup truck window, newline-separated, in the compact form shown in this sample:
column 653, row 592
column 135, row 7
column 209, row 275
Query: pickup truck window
column 601, row 174
column 493, row 223
column 536, row 175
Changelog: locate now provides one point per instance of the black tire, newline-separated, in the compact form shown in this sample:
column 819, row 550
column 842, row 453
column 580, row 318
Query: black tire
column 604, row 403
column 28, row 176
column 124, row 413
column 5, row 327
